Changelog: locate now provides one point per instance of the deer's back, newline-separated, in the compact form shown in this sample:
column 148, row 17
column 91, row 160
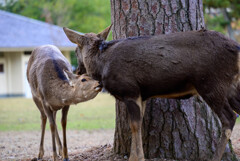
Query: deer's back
column 163, row 64
column 45, row 69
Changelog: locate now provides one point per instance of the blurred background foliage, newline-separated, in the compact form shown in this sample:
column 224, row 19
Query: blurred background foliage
column 95, row 15
column 80, row 15
column 223, row 16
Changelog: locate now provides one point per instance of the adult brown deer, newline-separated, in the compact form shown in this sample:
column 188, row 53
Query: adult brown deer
column 55, row 87
column 176, row 65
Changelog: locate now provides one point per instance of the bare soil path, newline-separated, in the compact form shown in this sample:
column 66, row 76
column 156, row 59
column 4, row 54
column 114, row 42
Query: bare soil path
column 82, row 145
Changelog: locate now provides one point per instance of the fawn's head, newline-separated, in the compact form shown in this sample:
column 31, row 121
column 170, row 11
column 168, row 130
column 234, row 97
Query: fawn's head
column 84, row 86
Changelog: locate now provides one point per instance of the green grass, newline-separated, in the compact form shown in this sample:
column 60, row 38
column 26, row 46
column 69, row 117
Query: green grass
column 238, row 120
column 21, row 114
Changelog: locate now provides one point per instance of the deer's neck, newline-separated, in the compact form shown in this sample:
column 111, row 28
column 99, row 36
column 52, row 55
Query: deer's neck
column 97, row 58
column 64, row 95
column 94, row 65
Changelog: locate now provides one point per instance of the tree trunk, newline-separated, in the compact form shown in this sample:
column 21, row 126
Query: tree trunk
column 175, row 129
column 229, row 26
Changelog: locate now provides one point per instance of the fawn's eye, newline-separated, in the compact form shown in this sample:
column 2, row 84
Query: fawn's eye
column 83, row 80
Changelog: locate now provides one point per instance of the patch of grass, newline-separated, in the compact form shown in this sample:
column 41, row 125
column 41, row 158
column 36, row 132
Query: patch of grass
column 238, row 120
column 21, row 114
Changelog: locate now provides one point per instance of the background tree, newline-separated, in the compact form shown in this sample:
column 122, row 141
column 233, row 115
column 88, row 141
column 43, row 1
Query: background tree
column 141, row 17
column 176, row 129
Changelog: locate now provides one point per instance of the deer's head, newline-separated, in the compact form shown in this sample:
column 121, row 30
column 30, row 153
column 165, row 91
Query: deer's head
column 84, row 86
column 88, row 45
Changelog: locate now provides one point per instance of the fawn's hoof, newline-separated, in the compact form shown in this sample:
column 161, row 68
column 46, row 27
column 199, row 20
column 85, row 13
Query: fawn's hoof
column 66, row 159
column 34, row 159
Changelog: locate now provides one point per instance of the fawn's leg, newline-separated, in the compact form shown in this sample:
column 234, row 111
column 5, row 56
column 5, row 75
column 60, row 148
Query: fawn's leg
column 57, row 136
column 43, row 126
column 136, row 109
column 52, row 123
column 64, row 125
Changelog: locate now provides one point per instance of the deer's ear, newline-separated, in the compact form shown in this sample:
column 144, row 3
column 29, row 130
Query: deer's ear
column 70, row 77
column 74, row 36
column 104, row 34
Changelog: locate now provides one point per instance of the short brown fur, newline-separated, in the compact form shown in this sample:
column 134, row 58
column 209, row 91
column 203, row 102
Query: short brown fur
column 55, row 87
column 176, row 65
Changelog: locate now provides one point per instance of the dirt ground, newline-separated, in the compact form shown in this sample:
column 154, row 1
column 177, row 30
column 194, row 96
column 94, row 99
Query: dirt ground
column 25, row 145
column 82, row 145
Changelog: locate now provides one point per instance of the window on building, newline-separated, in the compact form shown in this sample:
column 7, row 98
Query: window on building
column 27, row 52
column 1, row 68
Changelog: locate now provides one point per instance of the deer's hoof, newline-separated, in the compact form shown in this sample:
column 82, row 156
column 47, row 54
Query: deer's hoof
column 34, row 159
column 66, row 159
column 60, row 153
column 40, row 155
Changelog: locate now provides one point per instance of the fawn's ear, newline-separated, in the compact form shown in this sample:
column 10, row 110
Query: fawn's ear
column 70, row 77
column 104, row 34
column 74, row 36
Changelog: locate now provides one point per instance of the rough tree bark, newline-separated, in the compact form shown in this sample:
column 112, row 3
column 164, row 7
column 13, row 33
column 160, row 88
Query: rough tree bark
column 176, row 129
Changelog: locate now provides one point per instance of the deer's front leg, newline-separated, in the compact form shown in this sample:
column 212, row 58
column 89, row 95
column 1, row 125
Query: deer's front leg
column 64, row 125
column 136, row 110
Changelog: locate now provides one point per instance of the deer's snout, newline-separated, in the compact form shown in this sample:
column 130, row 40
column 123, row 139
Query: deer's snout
column 98, row 87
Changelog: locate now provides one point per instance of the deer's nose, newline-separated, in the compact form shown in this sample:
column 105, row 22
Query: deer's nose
column 98, row 88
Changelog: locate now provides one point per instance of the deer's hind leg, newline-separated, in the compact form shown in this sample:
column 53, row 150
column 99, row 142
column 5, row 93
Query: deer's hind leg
column 43, row 126
column 136, row 109
column 57, row 136
column 218, row 102
column 227, row 118
column 50, row 116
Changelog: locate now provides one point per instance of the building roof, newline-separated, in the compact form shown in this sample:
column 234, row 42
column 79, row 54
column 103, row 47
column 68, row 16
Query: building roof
column 19, row 33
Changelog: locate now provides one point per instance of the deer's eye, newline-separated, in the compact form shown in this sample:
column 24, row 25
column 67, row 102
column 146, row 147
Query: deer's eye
column 83, row 80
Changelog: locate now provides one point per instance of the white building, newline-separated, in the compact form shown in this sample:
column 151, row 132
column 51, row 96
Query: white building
column 19, row 35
